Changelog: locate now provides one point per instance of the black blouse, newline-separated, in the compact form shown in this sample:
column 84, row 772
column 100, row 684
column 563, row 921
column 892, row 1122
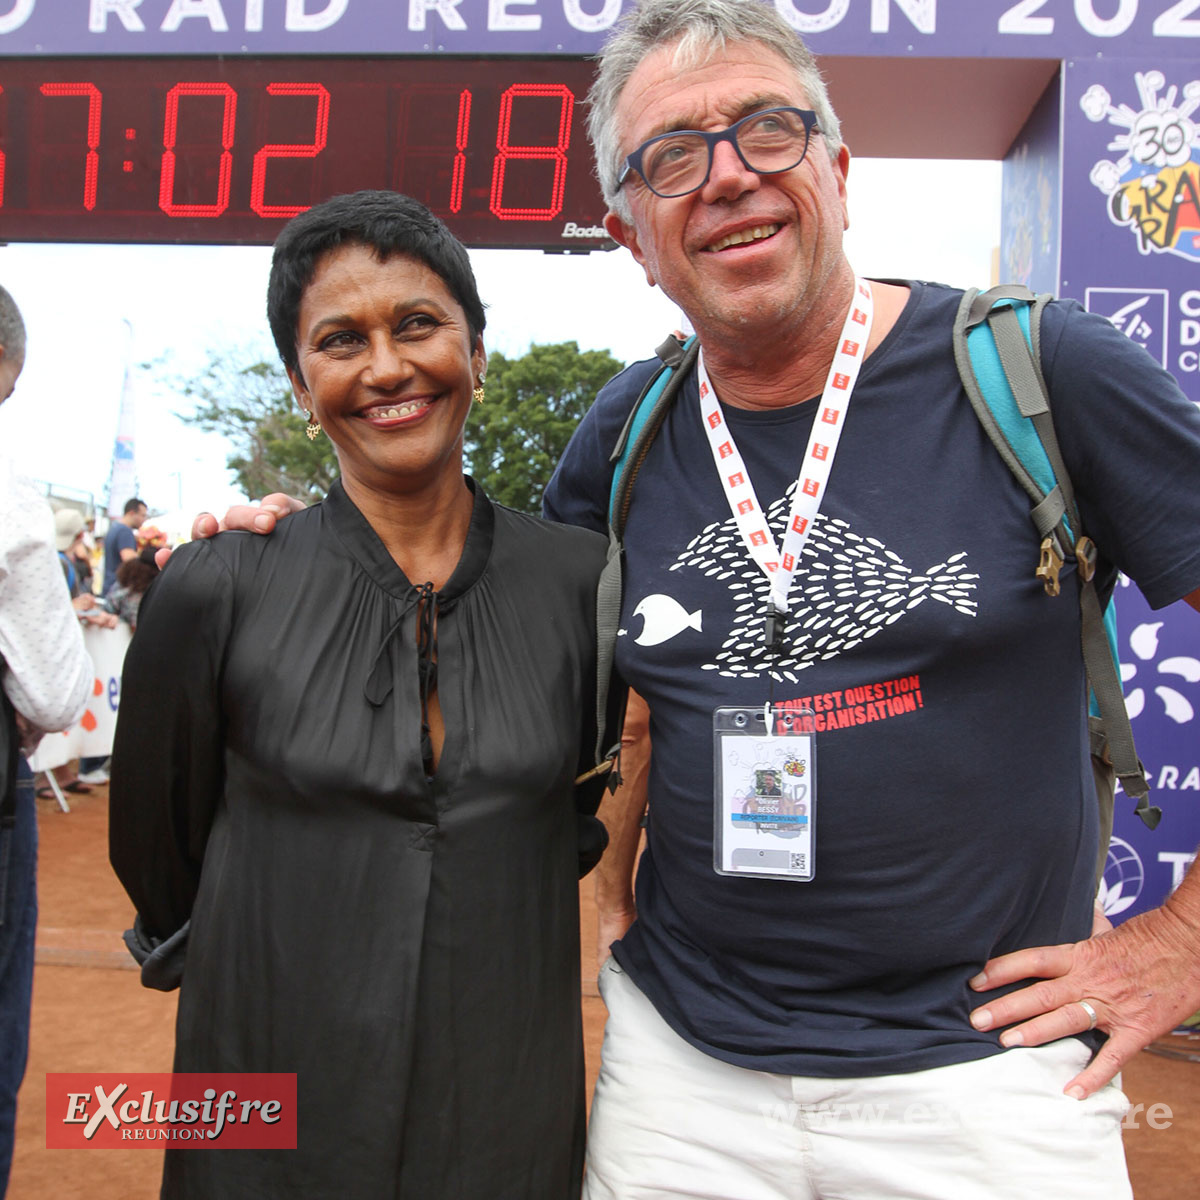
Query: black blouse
column 406, row 943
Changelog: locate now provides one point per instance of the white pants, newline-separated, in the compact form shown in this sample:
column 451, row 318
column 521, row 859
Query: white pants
column 669, row 1120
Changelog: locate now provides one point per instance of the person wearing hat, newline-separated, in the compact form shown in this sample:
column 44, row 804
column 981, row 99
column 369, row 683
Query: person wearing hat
column 68, row 537
column 69, row 534
column 68, row 540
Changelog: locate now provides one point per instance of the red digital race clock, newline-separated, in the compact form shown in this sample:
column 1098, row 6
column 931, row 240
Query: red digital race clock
column 225, row 150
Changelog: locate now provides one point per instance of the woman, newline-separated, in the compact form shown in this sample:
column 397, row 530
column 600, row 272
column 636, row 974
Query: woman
column 134, row 576
column 360, row 791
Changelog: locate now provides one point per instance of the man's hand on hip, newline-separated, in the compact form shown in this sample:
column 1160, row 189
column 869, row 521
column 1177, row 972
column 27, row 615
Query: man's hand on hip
column 1140, row 980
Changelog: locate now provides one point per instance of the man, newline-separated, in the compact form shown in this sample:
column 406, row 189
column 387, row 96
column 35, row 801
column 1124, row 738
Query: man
column 46, row 678
column 811, row 1035
column 770, row 785
column 120, row 544
column 835, row 1033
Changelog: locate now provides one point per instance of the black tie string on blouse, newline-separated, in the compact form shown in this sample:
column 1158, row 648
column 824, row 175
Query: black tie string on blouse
column 379, row 681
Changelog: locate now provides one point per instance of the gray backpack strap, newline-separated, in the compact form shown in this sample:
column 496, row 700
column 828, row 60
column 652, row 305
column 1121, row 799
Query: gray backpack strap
column 1038, row 465
column 644, row 422
column 1022, row 448
column 608, row 618
column 633, row 444
column 1024, row 376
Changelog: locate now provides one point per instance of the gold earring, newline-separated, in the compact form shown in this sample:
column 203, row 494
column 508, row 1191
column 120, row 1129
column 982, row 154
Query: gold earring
column 477, row 394
column 311, row 428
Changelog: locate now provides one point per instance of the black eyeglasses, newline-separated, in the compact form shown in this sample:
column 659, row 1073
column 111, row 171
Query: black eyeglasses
column 674, row 164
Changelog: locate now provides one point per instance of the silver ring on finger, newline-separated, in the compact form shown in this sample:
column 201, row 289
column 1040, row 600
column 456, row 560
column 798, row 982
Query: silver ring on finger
column 1091, row 1013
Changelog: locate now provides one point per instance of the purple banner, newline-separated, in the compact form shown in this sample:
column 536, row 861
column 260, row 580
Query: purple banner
column 1131, row 251
column 1031, row 217
column 899, row 28
column 1160, row 664
column 1131, row 195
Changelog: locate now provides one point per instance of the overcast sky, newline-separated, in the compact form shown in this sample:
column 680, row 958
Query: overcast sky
column 184, row 303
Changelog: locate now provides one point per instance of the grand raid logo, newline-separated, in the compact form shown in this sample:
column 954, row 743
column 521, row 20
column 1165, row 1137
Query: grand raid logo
column 1153, row 189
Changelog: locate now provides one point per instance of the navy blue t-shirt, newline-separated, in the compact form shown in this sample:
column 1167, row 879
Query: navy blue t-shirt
column 119, row 537
column 956, row 812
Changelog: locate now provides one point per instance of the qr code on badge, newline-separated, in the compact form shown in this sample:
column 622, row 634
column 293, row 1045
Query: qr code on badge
column 800, row 862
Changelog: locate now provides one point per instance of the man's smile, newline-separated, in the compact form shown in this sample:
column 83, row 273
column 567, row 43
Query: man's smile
column 755, row 233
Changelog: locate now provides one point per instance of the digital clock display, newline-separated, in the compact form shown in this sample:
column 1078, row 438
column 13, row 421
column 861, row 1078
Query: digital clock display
column 225, row 150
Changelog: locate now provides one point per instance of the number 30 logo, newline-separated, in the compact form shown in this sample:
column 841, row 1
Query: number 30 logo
column 1162, row 139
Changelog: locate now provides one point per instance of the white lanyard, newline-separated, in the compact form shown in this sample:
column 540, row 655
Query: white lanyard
column 780, row 568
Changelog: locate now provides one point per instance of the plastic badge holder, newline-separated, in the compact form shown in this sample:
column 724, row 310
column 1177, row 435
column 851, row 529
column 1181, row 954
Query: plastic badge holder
column 764, row 810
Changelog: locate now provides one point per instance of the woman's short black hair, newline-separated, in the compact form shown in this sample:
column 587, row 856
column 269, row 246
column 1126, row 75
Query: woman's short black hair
column 385, row 222
column 138, row 573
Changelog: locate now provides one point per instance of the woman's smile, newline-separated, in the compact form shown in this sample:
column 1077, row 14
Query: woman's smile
column 399, row 413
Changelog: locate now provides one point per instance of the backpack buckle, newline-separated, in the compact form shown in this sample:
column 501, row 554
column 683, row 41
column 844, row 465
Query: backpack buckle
column 599, row 769
column 1049, row 565
column 1085, row 558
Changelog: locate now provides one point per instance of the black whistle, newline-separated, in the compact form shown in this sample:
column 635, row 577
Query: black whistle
column 773, row 625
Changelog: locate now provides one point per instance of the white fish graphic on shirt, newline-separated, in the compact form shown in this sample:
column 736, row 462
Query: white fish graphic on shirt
column 849, row 588
column 664, row 618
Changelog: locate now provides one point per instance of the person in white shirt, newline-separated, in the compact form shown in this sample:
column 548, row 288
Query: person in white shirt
column 46, row 676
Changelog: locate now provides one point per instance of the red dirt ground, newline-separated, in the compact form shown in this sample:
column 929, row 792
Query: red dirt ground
column 91, row 1014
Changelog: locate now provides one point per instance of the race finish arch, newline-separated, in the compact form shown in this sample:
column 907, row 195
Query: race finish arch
column 214, row 121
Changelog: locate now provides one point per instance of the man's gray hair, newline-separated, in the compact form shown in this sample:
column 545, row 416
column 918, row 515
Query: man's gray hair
column 699, row 29
column 12, row 328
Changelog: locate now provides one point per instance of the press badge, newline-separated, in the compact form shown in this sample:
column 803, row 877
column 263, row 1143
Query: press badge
column 766, row 802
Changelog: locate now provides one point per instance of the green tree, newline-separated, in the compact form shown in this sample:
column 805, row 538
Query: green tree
column 513, row 440
column 249, row 401
column 516, row 437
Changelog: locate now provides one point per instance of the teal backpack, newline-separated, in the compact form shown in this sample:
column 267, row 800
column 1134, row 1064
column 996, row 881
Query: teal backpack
column 998, row 353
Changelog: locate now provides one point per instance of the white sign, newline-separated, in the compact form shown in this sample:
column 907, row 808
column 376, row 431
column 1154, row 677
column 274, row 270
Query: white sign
column 92, row 735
